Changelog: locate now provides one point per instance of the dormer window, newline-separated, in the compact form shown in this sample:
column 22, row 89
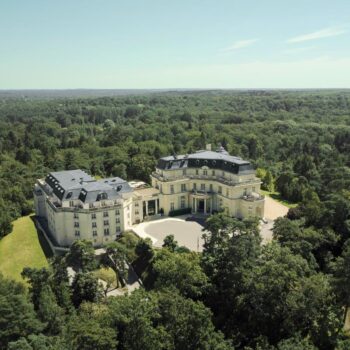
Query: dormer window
column 69, row 195
column 101, row 196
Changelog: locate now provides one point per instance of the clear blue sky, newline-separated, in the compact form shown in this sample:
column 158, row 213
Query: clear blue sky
column 174, row 44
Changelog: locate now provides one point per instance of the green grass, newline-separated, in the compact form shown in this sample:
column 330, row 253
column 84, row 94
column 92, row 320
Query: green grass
column 277, row 197
column 107, row 275
column 21, row 248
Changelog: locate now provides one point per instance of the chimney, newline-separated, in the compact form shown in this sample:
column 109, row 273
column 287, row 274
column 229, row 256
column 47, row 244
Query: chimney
column 208, row 147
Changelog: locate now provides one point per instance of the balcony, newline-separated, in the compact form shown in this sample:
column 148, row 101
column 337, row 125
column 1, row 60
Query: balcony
column 220, row 179
column 253, row 197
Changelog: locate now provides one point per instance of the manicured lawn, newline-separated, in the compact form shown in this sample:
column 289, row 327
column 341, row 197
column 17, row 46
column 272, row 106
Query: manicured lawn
column 276, row 196
column 21, row 248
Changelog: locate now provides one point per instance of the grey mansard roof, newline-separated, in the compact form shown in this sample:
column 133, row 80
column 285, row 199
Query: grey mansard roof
column 77, row 184
column 213, row 160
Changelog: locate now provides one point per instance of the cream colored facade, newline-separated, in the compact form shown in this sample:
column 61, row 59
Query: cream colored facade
column 73, row 205
column 206, row 190
column 100, row 222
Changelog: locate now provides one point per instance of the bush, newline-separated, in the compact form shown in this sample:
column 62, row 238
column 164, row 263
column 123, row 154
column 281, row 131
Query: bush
column 180, row 212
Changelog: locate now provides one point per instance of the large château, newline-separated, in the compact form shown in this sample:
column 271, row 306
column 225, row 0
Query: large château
column 75, row 205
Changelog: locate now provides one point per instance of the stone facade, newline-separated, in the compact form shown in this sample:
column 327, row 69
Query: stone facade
column 75, row 205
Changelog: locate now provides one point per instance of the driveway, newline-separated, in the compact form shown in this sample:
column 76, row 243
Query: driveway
column 186, row 233
column 273, row 210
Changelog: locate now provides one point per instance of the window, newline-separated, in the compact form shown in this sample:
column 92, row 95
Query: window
column 94, row 224
column 211, row 187
column 245, row 192
column 136, row 204
column 202, row 187
column 117, row 220
column 117, row 212
column 184, row 172
column 105, row 222
column 205, row 172
column 183, row 202
column 171, row 188
column 136, row 212
column 227, row 193
column 194, row 186
column 77, row 233
column 93, row 216
column 197, row 172
column 71, row 203
column 105, row 214
column 213, row 172
column 118, row 229
column 220, row 189
column 76, row 224
column 106, row 231
column 172, row 206
column 183, row 187
column 91, row 205
column 101, row 196
column 94, row 233
column 76, row 216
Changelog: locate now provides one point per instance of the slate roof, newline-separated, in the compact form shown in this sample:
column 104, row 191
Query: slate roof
column 74, row 184
column 220, row 159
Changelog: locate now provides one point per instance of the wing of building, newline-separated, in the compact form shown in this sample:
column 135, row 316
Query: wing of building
column 75, row 205
column 208, row 181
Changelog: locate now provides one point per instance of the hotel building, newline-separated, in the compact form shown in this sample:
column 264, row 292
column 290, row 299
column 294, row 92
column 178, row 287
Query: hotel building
column 74, row 205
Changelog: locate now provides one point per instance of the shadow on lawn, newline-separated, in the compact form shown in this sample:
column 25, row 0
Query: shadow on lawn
column 42, row 240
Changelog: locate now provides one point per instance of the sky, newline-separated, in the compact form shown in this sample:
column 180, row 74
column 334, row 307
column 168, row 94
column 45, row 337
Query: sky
column 163, row 44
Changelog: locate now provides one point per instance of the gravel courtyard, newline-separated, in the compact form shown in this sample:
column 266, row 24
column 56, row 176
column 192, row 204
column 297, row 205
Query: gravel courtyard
column 187, row 233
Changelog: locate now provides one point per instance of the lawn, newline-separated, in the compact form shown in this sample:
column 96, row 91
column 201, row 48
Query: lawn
column 277, row 197
column 107, row 275
column 21, row 248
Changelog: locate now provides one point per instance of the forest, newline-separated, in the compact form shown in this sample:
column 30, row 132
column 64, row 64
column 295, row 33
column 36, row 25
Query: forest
column 292, row 293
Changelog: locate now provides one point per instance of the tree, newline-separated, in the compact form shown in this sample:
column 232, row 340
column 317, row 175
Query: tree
column 268, row 182
column 231, row 250
column 284, row 296
column 85, row 287
column 81, row 256
column 38, row 342
column 180, row 271
column 89, row 334
column 163, row 320
column 170, row 243
column 5, row 222
column 342, row 278
column 116, row 258
column 37, row 279
column 49, row 312
column 295, row 343
column 17, row 315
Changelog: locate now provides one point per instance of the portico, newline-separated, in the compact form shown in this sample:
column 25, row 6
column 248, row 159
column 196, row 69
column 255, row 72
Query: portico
column 201, row 203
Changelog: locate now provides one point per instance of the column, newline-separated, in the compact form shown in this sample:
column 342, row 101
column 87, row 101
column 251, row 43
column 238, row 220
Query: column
column 146, row 208
column 205, row 206
column 156, row 205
